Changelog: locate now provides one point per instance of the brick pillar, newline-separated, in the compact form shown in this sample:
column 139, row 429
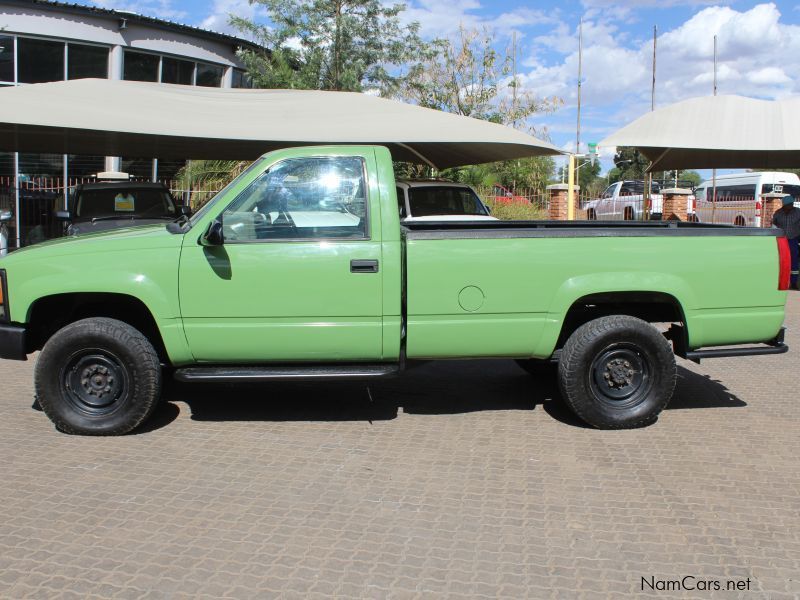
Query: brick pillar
column 558, row 201
column 675, row 207
column 769, row 204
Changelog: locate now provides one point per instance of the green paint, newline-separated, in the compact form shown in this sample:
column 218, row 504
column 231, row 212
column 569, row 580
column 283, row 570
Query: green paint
column 299, row 301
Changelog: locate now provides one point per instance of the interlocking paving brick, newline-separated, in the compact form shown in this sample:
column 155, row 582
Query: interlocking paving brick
column 463, row 479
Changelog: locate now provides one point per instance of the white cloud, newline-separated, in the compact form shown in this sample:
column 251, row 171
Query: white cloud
column 219, row 18
column 443, row 19
column 758, row 56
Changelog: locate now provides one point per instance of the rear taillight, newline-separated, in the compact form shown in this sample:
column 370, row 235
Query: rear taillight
column 694, row 204
column 784, row 263
column 758, row 205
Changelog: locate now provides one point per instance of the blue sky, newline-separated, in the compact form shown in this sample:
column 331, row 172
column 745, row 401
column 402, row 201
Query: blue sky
column 759, row 48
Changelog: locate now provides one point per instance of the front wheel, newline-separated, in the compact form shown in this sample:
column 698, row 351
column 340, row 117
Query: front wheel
column 98, row 377
column 617, row 372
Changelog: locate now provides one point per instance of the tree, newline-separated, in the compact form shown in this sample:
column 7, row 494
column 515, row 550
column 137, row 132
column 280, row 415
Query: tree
column 630, row 164
column 345, row 45
column 468, row 76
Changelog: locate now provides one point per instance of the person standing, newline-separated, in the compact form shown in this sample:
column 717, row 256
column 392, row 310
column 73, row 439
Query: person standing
column 787, row 217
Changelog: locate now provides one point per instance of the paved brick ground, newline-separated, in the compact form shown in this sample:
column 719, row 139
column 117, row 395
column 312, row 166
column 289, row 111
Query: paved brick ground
column 463, row 479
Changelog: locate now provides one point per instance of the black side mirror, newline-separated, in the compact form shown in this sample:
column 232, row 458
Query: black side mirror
column 6, row 216
column 213, row 235
column 63, row 215
column 184, row 210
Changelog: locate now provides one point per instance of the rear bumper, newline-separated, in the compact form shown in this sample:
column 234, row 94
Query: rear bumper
column 12, row 342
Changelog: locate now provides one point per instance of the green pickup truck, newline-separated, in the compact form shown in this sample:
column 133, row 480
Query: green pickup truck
column 300, row 269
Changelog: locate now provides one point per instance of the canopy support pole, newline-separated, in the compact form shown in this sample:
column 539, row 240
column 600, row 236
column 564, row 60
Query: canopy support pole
column 418, row 155
column 657, row 160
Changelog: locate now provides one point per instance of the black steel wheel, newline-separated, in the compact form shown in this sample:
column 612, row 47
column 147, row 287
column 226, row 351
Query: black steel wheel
column 95, row 381
column 620, row 376
column 98, row 377
column 617, row 372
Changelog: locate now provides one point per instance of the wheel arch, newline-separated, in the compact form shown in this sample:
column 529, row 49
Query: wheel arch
column 666, row 298
column 652, row 307
column 48, row 314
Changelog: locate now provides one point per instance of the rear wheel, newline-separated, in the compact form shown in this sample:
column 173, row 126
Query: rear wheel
column 591, row 215
column 627, row 214
column 617, row 372
column 98, row 377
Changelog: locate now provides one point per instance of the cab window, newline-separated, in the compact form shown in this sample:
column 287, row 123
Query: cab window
column 301, row 198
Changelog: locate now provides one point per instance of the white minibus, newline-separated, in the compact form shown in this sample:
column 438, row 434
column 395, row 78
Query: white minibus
column 739, row 196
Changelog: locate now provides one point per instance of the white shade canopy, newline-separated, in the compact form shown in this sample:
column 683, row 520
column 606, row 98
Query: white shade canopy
column 126, row 118
column 717, row 132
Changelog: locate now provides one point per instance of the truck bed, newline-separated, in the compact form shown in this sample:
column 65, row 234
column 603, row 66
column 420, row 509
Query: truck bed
column 503, row 288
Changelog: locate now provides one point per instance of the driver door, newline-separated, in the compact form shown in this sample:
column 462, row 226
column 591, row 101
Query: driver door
column 298, row 276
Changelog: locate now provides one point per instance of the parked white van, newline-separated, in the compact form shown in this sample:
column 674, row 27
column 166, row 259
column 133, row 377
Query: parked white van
column 739, row 196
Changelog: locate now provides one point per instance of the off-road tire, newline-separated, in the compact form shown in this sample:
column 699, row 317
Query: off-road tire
column 603, row 347
column 540, row 369
column 98, row 376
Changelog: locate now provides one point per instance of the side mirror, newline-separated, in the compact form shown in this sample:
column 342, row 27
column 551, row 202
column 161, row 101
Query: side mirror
column 184, row 210
column 5, row 216
column 213, row 235
column 63, row 215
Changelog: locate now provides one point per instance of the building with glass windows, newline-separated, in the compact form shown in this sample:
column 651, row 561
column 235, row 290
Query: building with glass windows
column 43, row 41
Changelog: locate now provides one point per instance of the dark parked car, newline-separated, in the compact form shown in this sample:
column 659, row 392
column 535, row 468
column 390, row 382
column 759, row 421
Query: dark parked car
column 102, row 206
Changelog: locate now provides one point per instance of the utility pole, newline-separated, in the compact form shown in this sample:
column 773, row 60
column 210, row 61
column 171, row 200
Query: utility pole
column 653, row 89
column 714, row 171
column 580, row 75
column 648, row 181
column 572, row 178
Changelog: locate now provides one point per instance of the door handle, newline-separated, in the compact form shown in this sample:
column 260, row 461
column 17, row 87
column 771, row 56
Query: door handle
column 363, row 266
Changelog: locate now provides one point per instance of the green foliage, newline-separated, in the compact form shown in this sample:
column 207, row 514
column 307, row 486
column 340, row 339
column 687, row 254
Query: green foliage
column 630, row 164
column 345, row 45
column 526, row 173
column 514, row 211
column 206, row 177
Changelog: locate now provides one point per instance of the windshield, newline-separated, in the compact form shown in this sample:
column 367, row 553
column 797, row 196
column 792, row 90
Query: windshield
column 124, row 203
column 445, row 200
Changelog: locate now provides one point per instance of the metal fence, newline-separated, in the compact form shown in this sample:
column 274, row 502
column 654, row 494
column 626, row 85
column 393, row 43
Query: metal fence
column 34, row 202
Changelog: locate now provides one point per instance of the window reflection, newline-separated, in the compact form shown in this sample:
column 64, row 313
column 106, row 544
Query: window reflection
column 39, row 61
column 87, row 61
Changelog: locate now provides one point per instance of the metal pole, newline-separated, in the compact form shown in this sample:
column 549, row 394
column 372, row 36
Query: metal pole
column 653, row 90
column 714, row 171
column 648, row 180
column 580, row 74
column 16, row 198
column 571, row 188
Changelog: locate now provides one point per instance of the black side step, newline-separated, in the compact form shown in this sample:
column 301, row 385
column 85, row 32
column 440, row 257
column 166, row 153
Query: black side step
column 256, row 374
column 774, row 346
